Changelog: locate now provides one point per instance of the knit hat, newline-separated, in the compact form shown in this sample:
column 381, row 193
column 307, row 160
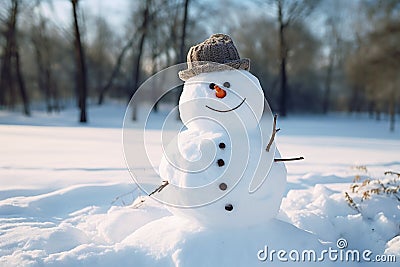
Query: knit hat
column 216, row 53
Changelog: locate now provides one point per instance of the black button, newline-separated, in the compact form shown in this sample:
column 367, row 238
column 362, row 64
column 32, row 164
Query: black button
column 223, row 186
column 212, row 86
column 228, row 207
column 227, row 84
column 220, row 162
column 222, row 145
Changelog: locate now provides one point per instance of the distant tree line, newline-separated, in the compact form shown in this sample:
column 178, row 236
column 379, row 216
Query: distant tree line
column 309, row 55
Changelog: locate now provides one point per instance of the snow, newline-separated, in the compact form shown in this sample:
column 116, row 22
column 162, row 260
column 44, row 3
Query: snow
column 67, row 199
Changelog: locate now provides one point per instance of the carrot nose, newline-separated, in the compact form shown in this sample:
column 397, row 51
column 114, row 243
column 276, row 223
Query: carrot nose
column 219, row 92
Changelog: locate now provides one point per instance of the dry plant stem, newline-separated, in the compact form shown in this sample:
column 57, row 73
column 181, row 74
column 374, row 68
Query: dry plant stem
column 385, row 189
column 289, row 159
column 274, row 131
column 351, row 202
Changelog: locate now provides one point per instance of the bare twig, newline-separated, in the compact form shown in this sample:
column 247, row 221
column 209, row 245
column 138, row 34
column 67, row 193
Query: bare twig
column 160, row 188
column 120, row 197
column 274, row 131
column 157, row 190
column 140, row 203
column 289, row 159
column 392, row 173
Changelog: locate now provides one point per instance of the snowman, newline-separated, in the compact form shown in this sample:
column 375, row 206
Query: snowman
column 222, row 170
column 224, row 178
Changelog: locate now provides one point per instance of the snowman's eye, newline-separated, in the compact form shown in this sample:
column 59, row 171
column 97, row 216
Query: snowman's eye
column 227, row 84
column 212, row 85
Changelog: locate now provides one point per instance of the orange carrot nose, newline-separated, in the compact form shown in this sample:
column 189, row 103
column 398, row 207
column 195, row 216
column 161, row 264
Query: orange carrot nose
column 219, row 92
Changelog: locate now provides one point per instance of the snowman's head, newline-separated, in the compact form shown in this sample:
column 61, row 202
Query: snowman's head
column 229, row 98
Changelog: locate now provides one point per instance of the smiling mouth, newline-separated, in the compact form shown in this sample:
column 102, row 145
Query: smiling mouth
column 228, row 110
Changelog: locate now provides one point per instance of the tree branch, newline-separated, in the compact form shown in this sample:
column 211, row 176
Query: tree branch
column 274, row 131
column 116, row 69
column 288, row 159
column 160, row 188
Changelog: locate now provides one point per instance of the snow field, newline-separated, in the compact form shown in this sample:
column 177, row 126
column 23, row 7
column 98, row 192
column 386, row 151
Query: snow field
column 65, row 195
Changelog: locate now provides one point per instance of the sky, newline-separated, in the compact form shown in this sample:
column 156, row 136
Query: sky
column 115, row 11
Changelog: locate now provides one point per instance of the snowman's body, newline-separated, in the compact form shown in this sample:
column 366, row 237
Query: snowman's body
column 223, row 151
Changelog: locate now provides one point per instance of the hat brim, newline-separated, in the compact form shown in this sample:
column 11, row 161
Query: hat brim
column 241, row 64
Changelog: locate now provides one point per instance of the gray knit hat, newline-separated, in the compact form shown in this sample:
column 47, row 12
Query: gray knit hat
column 219, row 48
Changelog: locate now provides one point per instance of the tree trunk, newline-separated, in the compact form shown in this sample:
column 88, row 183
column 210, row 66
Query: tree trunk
column 40, row 72
column 21, row 84
column 156, row 84
column 10, row 56
column 328, row 82
column 136, row 71
column 15, row 54
column 43, row 66
column 392, row 109
column 378, row 114
column 354, row 103
column 182, row 49
column 371, row 108
column 5, row 78
column 6, row 74
column 283, row 61
column 51, row 95
column 183, row 36
column 80, row 65
column 392, row 119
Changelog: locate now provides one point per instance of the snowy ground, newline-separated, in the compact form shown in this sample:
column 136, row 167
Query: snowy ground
column 65, row 192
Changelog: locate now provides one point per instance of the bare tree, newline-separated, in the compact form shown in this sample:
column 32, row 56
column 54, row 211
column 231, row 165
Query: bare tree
column 44, row 61
column 287, row 13
column 157, row 34
column 115, row 70
column 332, row 35
column 11, row 61
column 136, row 68
column 99, row 54
column 139, row 53
column 374, row 65
column 384, row 67
column 80, row 65
column 356, row 75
